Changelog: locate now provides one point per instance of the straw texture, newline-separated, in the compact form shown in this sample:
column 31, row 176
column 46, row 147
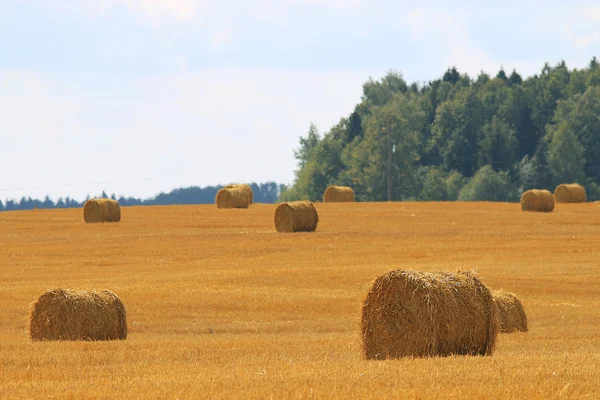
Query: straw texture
column 64, row 314
column 296, row 216
column 101, row 210
column 335, row 194
column 537, row 200
column 418, row 314
column 570, row 193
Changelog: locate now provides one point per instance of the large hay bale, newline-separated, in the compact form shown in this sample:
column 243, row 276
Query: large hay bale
column 417, row 314
column 233, row 197
column 101, row 210
column 64, row 314
column 338, row 194
column 537, row 200
column 511, row 314
column 246, row 189
column 296, row 216
column 570, row 193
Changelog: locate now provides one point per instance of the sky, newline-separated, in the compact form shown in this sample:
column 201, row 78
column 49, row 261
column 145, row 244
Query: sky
column 137, row 97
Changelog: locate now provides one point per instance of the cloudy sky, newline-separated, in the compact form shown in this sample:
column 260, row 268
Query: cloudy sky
column 141, row 96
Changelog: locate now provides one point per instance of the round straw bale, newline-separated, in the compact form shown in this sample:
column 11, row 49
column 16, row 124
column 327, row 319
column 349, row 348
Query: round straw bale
column 570, row 193
column 296, row 216
column 64, row 314
column 417, row 314
column 101, row 210
column 511, row 314
column 246, row 188
column 233, row 197
column 338, row 194
column 537, row 200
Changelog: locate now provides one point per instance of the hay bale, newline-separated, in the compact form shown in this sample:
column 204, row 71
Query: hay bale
column 296, row 216
column 64, row 314
column 246, row 189
column 338, row 194
column 101, row 210
column 233, row 197
column 511, row 314
column 537, row 200
column 570, row 193
column 417, row 314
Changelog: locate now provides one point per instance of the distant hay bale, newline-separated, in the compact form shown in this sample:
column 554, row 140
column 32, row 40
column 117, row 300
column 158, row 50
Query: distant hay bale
column 417, row 314
column 246, row 188
column 233, row 197
column 296, row 216
column 338, row 194
column 511, row 314
column 570, row 193
column 101, row 210
column 64, row 314
column 537, row 200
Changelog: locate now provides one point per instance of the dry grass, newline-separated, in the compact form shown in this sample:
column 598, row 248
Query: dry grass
column 511, row 313
column 66, row 314
column 296, row 216
column 537, row 200
column 232, row 197
column 101, row 210
column 219, row 305
column 338, row 194
column 247, row 188
column 421, row 314
column 570, row 193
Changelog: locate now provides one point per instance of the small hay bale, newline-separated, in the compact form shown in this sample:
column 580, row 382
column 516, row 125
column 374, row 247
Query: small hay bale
column 101, row 210
column 537, row 200
column 511, row 314
column 246, row 188
column 418, row 314
column 337, row 194
column 64, row 314
column 233, row 197
column 296, row 216
column 570, row 193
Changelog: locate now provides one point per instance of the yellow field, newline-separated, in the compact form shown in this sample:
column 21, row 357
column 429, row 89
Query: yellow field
column 221, row 306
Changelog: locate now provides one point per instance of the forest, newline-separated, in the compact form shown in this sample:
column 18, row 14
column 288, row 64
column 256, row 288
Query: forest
column 487, row 138
column 267, row 192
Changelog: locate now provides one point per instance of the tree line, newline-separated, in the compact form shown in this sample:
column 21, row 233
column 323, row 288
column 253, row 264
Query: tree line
column 460, row 138
column 267, row 192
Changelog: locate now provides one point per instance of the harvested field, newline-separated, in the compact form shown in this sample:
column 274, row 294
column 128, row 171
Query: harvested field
column 220, row 305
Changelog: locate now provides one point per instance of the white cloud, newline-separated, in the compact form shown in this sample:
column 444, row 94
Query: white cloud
column 337, row 3
column 593, row 13
column 585, row 41
column 156, row 9
column 220, row 38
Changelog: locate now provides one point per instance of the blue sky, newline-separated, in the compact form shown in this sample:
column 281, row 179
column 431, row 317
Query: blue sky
column 141, row 96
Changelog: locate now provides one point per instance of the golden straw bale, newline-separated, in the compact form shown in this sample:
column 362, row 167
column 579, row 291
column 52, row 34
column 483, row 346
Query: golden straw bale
column 511, row 314
column 64, row 314
column 233, row 197
column 246, row 188
column 537, row 200
column 338, row 194
column 296, row 216
column 101, row 210
column 570, row 193
column 418, row 314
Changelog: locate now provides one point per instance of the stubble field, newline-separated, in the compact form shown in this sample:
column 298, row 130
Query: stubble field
column 221, row 306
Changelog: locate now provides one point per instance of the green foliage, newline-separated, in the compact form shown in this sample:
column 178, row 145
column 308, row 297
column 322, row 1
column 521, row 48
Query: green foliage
column 486, row 185
column 565, row 156
column 454, row 137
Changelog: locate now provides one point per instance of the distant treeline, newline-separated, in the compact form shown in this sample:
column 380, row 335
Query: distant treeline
column 263, row 193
